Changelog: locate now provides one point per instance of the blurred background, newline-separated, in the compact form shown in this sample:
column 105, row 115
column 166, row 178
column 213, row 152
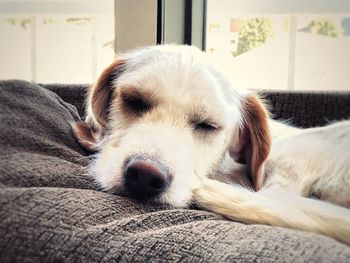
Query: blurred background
column 268, row 44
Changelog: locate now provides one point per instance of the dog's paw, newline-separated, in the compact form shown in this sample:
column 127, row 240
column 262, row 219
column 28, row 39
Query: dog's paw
column 208, row 192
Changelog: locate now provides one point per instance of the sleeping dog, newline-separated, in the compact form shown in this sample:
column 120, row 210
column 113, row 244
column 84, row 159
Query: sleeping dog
column 167, row 126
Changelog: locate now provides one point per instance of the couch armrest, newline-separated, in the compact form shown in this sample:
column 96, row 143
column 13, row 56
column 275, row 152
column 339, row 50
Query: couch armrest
column 308, row 108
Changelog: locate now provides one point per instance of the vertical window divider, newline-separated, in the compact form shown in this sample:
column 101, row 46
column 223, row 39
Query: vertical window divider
column 291, row 52
column 188, row 22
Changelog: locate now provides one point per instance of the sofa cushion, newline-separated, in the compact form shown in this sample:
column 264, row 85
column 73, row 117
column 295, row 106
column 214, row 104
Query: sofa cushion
column 51, row 210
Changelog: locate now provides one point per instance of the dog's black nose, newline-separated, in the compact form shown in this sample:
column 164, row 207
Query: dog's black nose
column 145, row 177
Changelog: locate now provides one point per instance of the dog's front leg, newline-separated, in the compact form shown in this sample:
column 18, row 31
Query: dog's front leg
column 284, row 210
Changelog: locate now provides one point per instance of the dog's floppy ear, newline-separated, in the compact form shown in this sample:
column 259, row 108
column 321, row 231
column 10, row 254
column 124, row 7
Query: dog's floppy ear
column 91, row 131
column 87, row 134
column 102, row 91
column 252, row 142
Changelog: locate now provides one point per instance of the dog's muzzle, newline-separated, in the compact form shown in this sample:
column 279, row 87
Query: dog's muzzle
column 145, row 177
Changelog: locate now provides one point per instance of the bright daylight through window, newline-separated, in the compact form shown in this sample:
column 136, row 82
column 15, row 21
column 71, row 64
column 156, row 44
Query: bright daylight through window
column 282, row 44
column 55, row 41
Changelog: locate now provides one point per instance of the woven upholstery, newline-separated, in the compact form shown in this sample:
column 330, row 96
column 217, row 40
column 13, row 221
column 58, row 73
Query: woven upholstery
column 51, row 210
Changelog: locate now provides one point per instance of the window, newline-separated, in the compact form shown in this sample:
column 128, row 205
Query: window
column 271, row 44
column 267, row 44
column 56, row 41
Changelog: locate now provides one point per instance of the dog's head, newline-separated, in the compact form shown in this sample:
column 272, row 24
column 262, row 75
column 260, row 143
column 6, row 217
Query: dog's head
column 161, row 118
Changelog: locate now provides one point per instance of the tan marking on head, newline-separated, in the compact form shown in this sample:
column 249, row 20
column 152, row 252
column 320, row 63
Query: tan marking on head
column 133, row 102
column 101, row 92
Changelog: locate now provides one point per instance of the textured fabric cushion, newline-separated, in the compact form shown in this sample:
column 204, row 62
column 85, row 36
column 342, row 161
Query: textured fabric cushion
column 50, row 209
column 308, row 108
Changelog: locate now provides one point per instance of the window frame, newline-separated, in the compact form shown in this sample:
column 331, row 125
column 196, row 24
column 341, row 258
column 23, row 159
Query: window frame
column 179, row 22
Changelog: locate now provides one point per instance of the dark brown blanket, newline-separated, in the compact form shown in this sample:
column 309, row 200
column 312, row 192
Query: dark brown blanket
column 50, row 209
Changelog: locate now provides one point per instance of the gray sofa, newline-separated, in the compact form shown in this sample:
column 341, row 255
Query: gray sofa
column 52, row 211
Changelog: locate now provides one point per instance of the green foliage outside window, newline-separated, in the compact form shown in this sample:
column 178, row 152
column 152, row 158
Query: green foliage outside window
column 14, row 21
column 253, row 32
column 25, row 22
column 323, row 27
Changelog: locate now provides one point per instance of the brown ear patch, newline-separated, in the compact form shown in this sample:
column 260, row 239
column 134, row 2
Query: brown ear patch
column 101, row 92
column 86, row 135
column 255, row 139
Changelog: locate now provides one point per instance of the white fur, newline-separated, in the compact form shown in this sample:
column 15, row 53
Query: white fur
column 271, row 208
column 318, row 159
column 301, row 162
column 182, row 79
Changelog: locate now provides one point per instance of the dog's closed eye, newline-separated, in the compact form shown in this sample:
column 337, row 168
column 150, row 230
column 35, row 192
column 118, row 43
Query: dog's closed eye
column 205, row 126
column 203, row 123
column 134, row 102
